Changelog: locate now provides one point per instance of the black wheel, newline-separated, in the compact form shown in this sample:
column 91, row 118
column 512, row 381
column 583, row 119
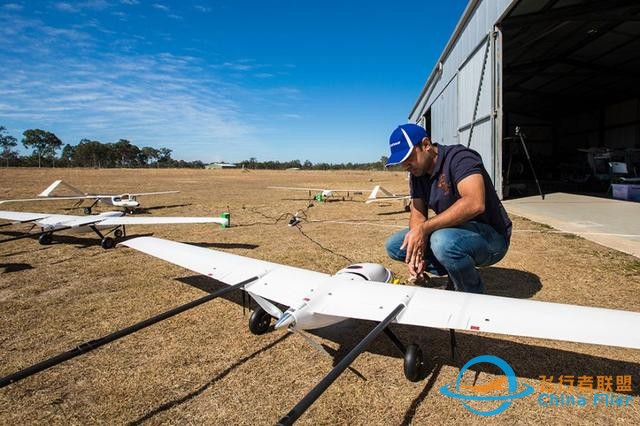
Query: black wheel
column 107, row 243
column 45, row 239
column 413, row 363
column 259, row 321
column 87, row 210
column 118, row 233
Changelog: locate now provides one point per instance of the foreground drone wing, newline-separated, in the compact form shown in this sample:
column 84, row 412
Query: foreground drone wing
column 20, row 217
column 134, row 220
column 339, row 297
column 327, row 191
column 22, row 200
column 138, row 194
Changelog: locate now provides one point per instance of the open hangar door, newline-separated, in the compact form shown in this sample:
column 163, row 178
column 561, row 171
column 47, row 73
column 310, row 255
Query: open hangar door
column 571, row 83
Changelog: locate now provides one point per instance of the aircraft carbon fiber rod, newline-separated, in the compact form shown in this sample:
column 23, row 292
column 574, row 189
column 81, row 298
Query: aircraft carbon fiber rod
column 94, row 344
column 324, row 384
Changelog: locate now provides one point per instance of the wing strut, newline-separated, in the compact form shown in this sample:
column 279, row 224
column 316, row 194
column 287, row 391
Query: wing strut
column 324, row 384
column 94, row 344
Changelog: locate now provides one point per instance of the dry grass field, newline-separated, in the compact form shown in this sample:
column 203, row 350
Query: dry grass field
column 205, row 367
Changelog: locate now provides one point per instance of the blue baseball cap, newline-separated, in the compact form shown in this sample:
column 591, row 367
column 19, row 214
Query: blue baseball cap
column 402, row 141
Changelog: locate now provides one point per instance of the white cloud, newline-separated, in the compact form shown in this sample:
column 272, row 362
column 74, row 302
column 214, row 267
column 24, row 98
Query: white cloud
column 65, row 7
column 201, row 8
column 160, row 7
column 78, row 6
column 294, row 116
column 59, row 80
column 12, row 6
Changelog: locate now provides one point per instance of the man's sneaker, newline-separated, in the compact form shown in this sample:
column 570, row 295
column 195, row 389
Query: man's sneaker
column 449, row 285
column 421, row 280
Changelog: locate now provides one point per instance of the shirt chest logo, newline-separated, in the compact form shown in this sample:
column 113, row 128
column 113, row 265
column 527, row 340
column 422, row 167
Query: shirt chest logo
column 443, row 185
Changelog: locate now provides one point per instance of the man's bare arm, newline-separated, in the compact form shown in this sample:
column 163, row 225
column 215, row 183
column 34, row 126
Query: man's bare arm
column 418, row 213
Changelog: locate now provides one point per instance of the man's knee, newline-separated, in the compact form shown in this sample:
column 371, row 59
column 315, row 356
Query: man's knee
column 393, row 244
column 442, row 244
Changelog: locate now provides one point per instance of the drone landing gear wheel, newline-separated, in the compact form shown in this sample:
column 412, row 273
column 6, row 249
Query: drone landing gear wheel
column 87, row 210
column 118, row 233
column 259, row 321
column 413, row 361
column 45, row 239
column 107, row 243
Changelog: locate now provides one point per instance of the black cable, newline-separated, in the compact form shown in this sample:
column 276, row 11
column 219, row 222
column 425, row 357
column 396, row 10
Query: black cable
column 294, row 221
column 323, row 247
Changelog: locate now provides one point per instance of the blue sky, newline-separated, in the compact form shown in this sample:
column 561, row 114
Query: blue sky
column 226, row 80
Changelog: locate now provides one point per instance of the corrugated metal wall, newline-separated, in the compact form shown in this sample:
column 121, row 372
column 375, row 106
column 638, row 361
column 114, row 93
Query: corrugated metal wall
column 444, row 111
column 451, row 95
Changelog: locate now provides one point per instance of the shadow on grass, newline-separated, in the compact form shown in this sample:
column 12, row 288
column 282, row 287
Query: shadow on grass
column 432, row 378
column 392, row 213
column 14, row 267
column 80, row 242
column 504, row 282
column 225, row 245
column 169, row 405
column 146, row 210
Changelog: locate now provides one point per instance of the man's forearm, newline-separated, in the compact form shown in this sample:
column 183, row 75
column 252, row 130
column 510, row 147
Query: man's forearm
column 416, row 218
column 460, row 212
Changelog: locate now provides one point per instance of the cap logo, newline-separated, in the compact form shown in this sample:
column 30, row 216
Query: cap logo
column 395, row 143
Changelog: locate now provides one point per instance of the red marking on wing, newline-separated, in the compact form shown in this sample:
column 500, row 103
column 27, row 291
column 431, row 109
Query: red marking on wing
column 475, row 327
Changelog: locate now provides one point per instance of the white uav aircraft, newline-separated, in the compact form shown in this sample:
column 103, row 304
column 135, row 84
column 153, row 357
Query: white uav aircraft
column 362, row 291
column 108, row 221
column 387, row 196
column 127, row 200
column 322, row 193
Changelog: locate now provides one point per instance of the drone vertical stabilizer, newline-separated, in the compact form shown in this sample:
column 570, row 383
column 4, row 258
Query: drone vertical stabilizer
column 47, row 192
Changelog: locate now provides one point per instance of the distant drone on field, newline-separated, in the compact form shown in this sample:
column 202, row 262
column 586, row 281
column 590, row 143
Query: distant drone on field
column 128, row 201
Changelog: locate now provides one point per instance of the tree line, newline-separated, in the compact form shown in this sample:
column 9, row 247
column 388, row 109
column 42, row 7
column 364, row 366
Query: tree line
column 87, row 153
column 253, row 163
column 90, row 153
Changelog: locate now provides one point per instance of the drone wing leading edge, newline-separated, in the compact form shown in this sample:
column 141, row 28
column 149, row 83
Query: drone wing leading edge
column 325, row 191
column 107, row 219
column 339, row 297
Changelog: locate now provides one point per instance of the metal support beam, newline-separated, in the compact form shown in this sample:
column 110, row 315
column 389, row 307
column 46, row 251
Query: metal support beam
column 324, row 384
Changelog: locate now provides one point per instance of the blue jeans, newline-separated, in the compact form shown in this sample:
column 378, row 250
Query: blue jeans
column 456, row 252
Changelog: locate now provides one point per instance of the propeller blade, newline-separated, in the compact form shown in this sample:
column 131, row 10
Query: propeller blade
column 269, row 307
column 317, row 346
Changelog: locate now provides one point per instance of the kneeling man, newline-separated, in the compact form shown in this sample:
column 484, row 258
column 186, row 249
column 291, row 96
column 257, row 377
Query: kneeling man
column 471, row 227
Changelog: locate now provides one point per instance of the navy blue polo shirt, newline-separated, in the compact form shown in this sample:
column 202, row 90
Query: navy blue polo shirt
column 440, row 190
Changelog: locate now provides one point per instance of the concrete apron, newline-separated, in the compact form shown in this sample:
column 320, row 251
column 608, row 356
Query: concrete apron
column 612, row 223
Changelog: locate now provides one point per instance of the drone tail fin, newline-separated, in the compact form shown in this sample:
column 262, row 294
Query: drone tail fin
column 47, row 192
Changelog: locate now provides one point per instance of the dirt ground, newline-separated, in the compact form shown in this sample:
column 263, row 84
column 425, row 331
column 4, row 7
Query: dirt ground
column 205, row 366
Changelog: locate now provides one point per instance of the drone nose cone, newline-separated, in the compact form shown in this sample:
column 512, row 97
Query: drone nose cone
column 284, row 321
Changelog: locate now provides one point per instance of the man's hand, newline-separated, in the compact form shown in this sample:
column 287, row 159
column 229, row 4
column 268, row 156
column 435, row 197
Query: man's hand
column 414, row 243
